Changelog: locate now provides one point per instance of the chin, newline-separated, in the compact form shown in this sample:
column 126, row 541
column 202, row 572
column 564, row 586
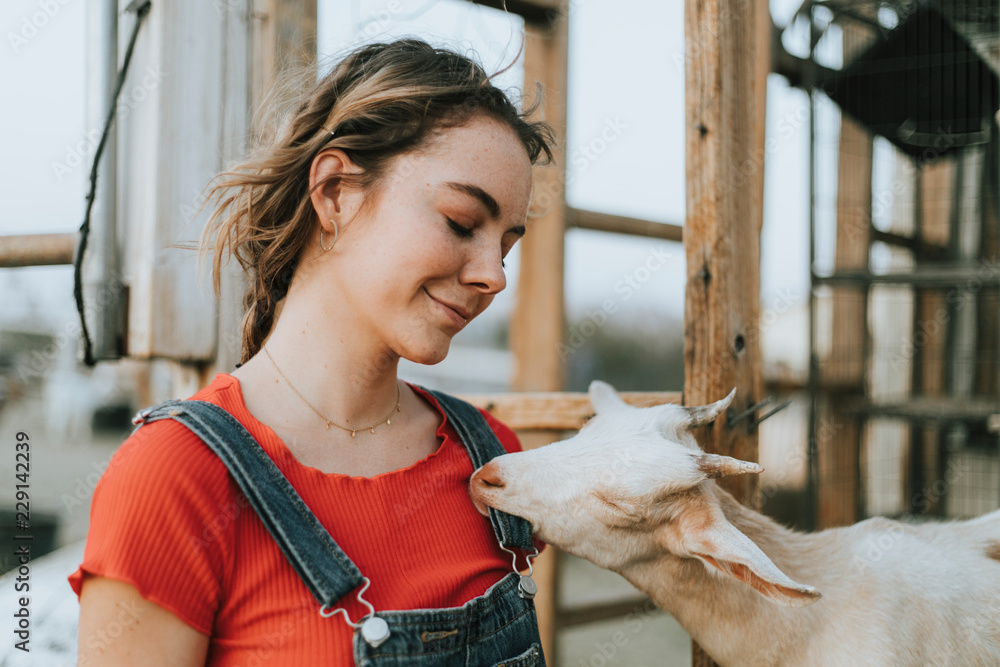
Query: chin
column 429, row 355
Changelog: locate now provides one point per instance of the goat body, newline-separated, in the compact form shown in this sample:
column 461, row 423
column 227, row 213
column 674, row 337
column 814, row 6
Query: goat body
column 633, row 493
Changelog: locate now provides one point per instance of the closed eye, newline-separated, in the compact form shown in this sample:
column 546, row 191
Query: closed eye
column 464, row 232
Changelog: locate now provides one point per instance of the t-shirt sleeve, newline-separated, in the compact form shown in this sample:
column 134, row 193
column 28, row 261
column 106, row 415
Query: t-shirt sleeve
column 160, row 520
column 512, row 444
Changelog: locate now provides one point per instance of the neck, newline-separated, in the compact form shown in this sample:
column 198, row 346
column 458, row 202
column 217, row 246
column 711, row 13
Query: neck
column 728, row 618
column 329, row 359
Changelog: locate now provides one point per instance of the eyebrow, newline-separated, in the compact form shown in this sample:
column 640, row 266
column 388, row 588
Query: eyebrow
column 484, row 197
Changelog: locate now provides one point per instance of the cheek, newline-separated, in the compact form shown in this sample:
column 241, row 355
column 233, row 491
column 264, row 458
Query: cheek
column 486, row 301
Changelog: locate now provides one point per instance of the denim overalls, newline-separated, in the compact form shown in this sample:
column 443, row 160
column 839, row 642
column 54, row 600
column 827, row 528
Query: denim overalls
column 494, row 629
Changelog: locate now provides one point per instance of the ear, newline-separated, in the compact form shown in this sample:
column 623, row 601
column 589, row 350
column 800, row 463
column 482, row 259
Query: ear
column 699, row 415
column 333, row 198
column 702, row 532
column 603, row 397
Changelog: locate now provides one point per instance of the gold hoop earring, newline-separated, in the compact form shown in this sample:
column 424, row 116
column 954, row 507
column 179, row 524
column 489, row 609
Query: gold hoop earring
column 336, row 235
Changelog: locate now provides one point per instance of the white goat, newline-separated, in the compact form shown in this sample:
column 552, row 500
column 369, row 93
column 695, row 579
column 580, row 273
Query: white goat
column 632, row 492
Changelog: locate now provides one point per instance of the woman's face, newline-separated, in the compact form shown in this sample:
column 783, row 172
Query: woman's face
column 423, row 258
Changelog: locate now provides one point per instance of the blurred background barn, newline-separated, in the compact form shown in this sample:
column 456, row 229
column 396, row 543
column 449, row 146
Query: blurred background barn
column 873, row 308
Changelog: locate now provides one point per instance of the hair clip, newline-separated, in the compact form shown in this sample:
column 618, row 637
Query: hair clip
column 333, row 133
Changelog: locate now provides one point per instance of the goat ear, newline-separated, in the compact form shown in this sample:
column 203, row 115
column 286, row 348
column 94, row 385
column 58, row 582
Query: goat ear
column 703, row 532
column 699, row 415
column 603, row 397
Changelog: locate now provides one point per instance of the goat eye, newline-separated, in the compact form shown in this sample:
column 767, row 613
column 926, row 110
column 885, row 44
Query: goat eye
column 620, row 513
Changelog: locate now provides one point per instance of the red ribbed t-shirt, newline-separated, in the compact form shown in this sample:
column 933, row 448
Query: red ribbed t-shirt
column 167, row 518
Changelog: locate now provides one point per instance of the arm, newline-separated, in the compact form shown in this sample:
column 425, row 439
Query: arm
column 120, row 627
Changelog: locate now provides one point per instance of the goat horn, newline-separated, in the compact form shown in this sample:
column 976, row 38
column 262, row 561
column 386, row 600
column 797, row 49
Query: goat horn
column 714, row 465
column 699, row 415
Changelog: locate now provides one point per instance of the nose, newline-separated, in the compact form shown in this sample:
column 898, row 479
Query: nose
column 489, row 475
column 485, row 270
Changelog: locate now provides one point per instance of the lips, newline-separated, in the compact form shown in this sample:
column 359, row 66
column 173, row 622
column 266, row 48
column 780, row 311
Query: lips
column 459, row 314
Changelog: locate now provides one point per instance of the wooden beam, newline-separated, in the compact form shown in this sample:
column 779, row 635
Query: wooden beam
column 599, row 612
column 537, row 322
column 555, row 411
column 939, row 276
column 726, row 65
column 37, row 249
column 620, row 224
column 533, row 11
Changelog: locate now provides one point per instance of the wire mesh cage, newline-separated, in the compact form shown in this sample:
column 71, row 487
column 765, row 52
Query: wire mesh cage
column 905, row 298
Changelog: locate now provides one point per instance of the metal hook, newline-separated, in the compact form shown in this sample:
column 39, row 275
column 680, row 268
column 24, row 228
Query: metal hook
column 749, row 412
column 526, row 586
column 374, row 630
column 780, row 407
column 323, row 611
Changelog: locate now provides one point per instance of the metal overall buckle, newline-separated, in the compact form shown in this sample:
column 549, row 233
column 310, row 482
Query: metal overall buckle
column 526, row 586
column 374, row 630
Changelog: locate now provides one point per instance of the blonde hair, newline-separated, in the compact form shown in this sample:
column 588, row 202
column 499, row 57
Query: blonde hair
column 379, row 102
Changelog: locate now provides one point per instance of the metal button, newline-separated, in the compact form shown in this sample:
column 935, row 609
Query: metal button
column 375, row 631
column 527, row 588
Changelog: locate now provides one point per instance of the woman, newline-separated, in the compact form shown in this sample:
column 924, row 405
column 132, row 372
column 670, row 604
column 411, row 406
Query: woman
column 376, row 224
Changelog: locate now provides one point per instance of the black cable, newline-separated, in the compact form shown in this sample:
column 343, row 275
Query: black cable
column 141, row 8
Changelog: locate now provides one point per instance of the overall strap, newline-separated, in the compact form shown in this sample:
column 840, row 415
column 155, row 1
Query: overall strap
column 320, row 563
column 483, row 445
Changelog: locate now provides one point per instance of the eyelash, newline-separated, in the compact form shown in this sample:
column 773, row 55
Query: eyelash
column 466, row 233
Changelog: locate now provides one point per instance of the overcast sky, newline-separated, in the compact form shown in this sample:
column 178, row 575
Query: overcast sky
column 625, row 144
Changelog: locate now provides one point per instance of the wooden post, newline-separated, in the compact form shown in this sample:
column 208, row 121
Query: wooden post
column 275, row 36
column 843, row 373
column 935, row 190
column 537, row 323
column 284, row 37
column 725, row 81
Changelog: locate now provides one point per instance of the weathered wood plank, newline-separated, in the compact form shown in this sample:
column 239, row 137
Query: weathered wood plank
column 555, row 411
column 537, row 322
column 238, row 96
column 725, row 82
column 37, row 249
column 171, row 128
column 620, row 224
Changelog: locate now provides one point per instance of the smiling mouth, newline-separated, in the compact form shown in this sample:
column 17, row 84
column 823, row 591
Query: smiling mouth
column 458, row 317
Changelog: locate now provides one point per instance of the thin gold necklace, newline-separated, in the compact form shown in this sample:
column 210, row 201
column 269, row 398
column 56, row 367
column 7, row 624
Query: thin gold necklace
column 329, row 422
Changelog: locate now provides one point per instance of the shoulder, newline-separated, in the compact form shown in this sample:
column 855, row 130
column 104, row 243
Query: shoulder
column 166, row 460
column 504, row 433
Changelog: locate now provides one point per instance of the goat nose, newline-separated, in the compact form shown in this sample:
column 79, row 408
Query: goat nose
column 488, row 475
